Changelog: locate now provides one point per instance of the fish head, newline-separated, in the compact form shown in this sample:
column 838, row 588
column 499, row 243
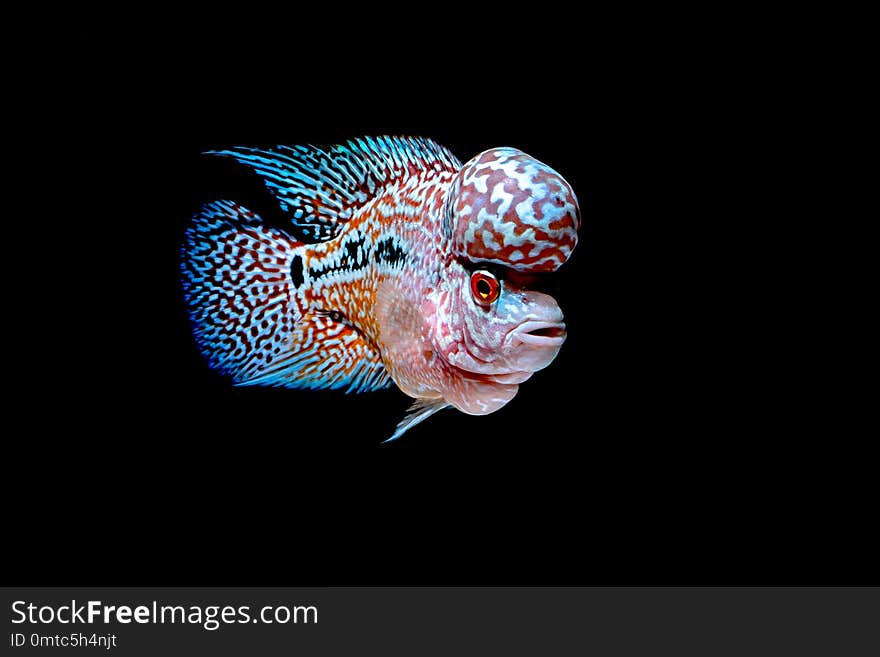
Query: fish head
column 508, row 218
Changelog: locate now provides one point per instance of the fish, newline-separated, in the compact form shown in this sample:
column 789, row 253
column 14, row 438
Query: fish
column 394, row 264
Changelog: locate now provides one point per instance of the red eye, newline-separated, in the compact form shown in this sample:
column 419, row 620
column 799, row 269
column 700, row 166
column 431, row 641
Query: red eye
column 485, row 287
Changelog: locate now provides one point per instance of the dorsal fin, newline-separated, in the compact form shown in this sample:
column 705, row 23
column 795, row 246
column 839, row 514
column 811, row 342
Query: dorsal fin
column 320, row 187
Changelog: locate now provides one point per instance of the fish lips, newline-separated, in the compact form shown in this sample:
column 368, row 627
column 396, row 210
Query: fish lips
column 538, row 334
column 534, row 344
column 510, row 378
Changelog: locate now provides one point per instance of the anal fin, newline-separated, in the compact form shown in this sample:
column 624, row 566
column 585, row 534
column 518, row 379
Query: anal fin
column 324, row 353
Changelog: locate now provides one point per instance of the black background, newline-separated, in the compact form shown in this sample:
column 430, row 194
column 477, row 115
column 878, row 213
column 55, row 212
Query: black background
column 671, row 442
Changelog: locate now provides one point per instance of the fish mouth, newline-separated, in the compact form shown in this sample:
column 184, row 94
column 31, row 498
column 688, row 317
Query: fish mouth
column 510, row 378
column 539, row 334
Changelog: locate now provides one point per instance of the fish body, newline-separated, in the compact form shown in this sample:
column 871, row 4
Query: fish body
column 399, row 266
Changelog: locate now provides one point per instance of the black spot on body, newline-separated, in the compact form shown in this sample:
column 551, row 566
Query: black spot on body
column 351, row 249
column 296, row 271
column 354, row 257
column 388, row 252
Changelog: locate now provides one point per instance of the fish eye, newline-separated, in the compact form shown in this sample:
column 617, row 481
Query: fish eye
column 485, row 287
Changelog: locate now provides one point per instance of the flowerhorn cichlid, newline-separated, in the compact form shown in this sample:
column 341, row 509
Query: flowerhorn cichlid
column 396, row 264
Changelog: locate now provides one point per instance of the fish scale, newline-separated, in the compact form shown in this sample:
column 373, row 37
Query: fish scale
column 367, row 284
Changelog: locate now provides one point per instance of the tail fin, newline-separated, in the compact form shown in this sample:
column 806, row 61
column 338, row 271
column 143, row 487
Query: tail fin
column 238, row 288
column 245, row 286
